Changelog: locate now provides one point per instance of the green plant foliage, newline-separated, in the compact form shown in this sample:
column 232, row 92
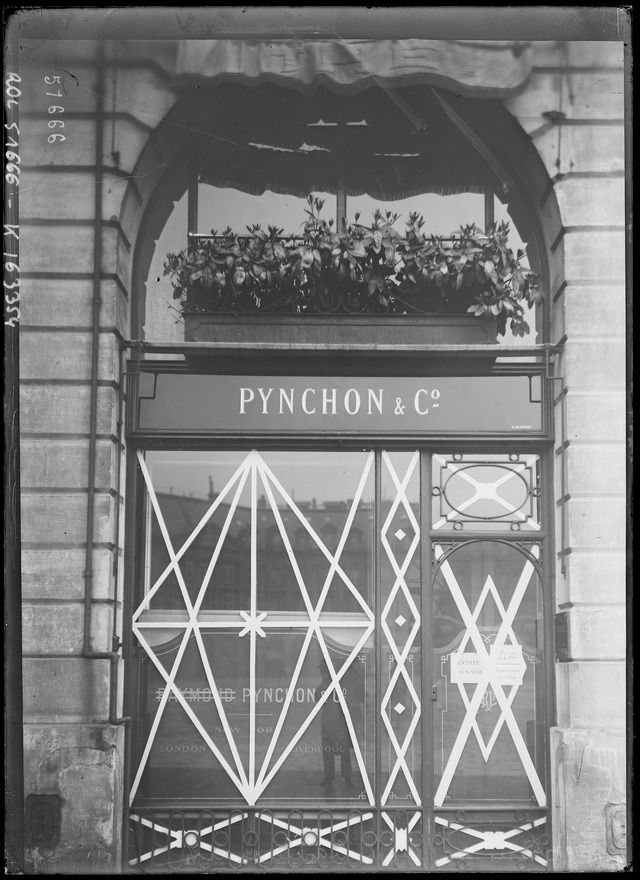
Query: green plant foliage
column 373, row 267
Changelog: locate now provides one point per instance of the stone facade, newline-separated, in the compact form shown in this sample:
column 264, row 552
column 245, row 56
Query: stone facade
column 572, row 109
column 584, row 155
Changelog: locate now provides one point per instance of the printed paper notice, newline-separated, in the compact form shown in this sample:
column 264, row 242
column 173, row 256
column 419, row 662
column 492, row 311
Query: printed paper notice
column 509, row 666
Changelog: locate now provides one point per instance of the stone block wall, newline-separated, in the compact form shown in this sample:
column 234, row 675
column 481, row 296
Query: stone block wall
column 71, row 748
column 574, row 111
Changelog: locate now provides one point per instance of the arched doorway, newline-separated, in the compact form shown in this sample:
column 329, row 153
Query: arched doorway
column 341, row 645
column 206, row 187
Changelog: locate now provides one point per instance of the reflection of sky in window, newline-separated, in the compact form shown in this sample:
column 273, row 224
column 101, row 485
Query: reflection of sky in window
column 305, row 476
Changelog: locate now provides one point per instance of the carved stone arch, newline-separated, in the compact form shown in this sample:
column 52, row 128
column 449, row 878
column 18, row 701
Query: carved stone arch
column 160, row 178
column 530, row 198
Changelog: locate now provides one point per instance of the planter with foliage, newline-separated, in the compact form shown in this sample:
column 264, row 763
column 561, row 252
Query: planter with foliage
column 371, row 271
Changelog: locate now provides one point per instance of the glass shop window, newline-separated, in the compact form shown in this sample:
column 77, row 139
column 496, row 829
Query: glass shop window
column 292, row 636
column 273, row 565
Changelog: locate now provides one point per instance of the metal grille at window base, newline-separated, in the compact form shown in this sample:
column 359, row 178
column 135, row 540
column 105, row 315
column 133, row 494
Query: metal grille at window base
column 356, row 839
column 486, row 664
column 267, row 839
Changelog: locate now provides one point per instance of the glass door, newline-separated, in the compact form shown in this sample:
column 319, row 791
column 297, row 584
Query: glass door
column 340, row 652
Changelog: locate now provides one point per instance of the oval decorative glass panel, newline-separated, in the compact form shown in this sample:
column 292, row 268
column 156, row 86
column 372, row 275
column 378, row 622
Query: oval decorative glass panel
column 486, row 491
column 497, row 492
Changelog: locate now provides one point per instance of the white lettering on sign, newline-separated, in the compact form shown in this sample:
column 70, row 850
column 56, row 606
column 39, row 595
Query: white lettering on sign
column 305, row 394
column 509, row 666
column 288, row 400
column 352, row 401
column 373, row 399
column 265, row 398
column 246, row 396
column 422, row 396
column 330, row 401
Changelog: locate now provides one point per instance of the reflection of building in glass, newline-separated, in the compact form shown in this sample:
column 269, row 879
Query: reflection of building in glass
column 337, row 740
column 277, row 582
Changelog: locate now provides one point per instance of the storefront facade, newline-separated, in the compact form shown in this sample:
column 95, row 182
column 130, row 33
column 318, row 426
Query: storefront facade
column 321, row 587
column 311, row 658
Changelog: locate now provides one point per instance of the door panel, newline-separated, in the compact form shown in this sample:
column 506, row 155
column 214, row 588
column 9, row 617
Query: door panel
column 486, row 618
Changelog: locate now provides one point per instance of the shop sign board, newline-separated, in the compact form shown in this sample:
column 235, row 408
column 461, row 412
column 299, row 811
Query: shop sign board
column 352, row 405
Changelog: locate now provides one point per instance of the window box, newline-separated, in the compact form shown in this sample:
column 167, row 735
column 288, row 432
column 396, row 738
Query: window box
column 339, row 330
column 373, row 272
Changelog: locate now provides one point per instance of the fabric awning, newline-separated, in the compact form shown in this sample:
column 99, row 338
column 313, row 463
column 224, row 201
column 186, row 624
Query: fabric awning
column 282, row 141
column 375, row 119
column 491, row 69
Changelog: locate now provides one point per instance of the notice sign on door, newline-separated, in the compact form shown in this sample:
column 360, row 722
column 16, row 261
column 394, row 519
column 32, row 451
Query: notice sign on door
column 351, row 405
column 508, row 668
